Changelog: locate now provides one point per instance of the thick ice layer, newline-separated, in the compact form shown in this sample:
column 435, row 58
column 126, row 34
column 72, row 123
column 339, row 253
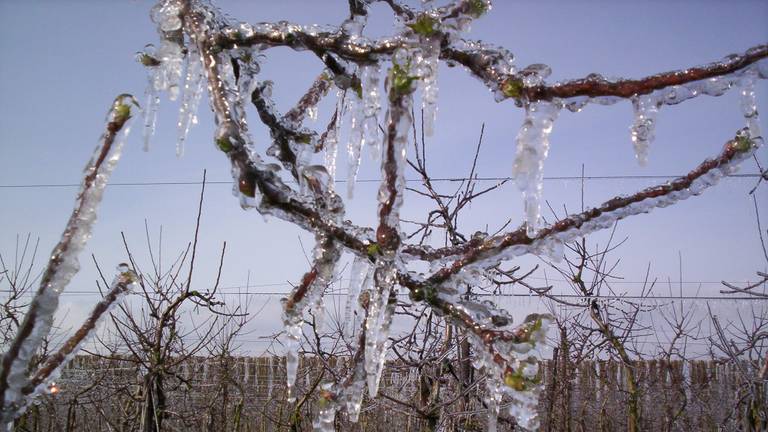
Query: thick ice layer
column 643, row 129
column 532, row 150
column 399, row 123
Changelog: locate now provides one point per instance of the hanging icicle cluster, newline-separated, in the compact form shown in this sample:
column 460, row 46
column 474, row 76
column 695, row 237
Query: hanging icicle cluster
column 219, row 55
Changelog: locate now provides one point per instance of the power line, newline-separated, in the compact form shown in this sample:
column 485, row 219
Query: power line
column 501, row 295
column 437, row 179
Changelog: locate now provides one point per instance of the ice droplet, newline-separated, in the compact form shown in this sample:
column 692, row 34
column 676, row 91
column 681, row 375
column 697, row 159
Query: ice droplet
column 749, row 102
column 646, row 107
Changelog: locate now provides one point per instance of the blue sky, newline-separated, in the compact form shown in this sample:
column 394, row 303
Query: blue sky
column 63, row 63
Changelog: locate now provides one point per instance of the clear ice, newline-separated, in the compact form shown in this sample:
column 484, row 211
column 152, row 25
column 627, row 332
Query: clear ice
column 532, row 150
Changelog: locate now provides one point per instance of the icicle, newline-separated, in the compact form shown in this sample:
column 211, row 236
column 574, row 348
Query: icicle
column 148, row 58
column 511, row 369
column 327, row 408
column 325, row 258
column 358, row 279
column 193, row 90
column 331, row 140
column 292, row 342
column 493, row 399
column 646, row 108
column 532, row 149
column 749, row 102
column 318, row 310
column 356, row 112
column 428, row 83
column 381, row 310
column 354, row 393
column 370, row 77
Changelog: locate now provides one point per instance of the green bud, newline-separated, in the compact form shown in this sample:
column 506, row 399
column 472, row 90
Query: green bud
column 223, row 144
column 148, row 60
column 425, row 25
column 400, row 82
column 373, row 250
column 512, row 88
column 515, row 380
column 743, row 143
column 416, row 295
column 477, row 8
column 122, row 112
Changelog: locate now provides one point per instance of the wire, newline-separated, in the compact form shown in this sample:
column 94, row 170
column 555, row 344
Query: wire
column 438, row 179
column 501, row 295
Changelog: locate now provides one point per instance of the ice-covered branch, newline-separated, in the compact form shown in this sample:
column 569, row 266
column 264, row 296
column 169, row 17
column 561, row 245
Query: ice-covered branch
column 489, row 63
column 308, row 294
column 55, row 362
column 594, row 85
column 517, row 242
column 63, row 264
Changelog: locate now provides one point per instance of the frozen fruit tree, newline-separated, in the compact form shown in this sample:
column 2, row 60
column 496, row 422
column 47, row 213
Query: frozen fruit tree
column 375, row 81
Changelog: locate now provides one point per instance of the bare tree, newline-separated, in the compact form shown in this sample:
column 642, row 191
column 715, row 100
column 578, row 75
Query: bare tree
column 160, row 337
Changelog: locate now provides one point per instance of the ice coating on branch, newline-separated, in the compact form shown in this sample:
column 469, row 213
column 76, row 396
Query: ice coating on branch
column 675, row 94
column 643, row 129
column 535, row 74
column 399, row 122
column 190, row 99
column 167, row 15
column 749, row 102
column 64, row 263
column 308, row 293
column 532, row 150
column 651, row 199
column 123, row 283
column 370, row 77
column 381, row 309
